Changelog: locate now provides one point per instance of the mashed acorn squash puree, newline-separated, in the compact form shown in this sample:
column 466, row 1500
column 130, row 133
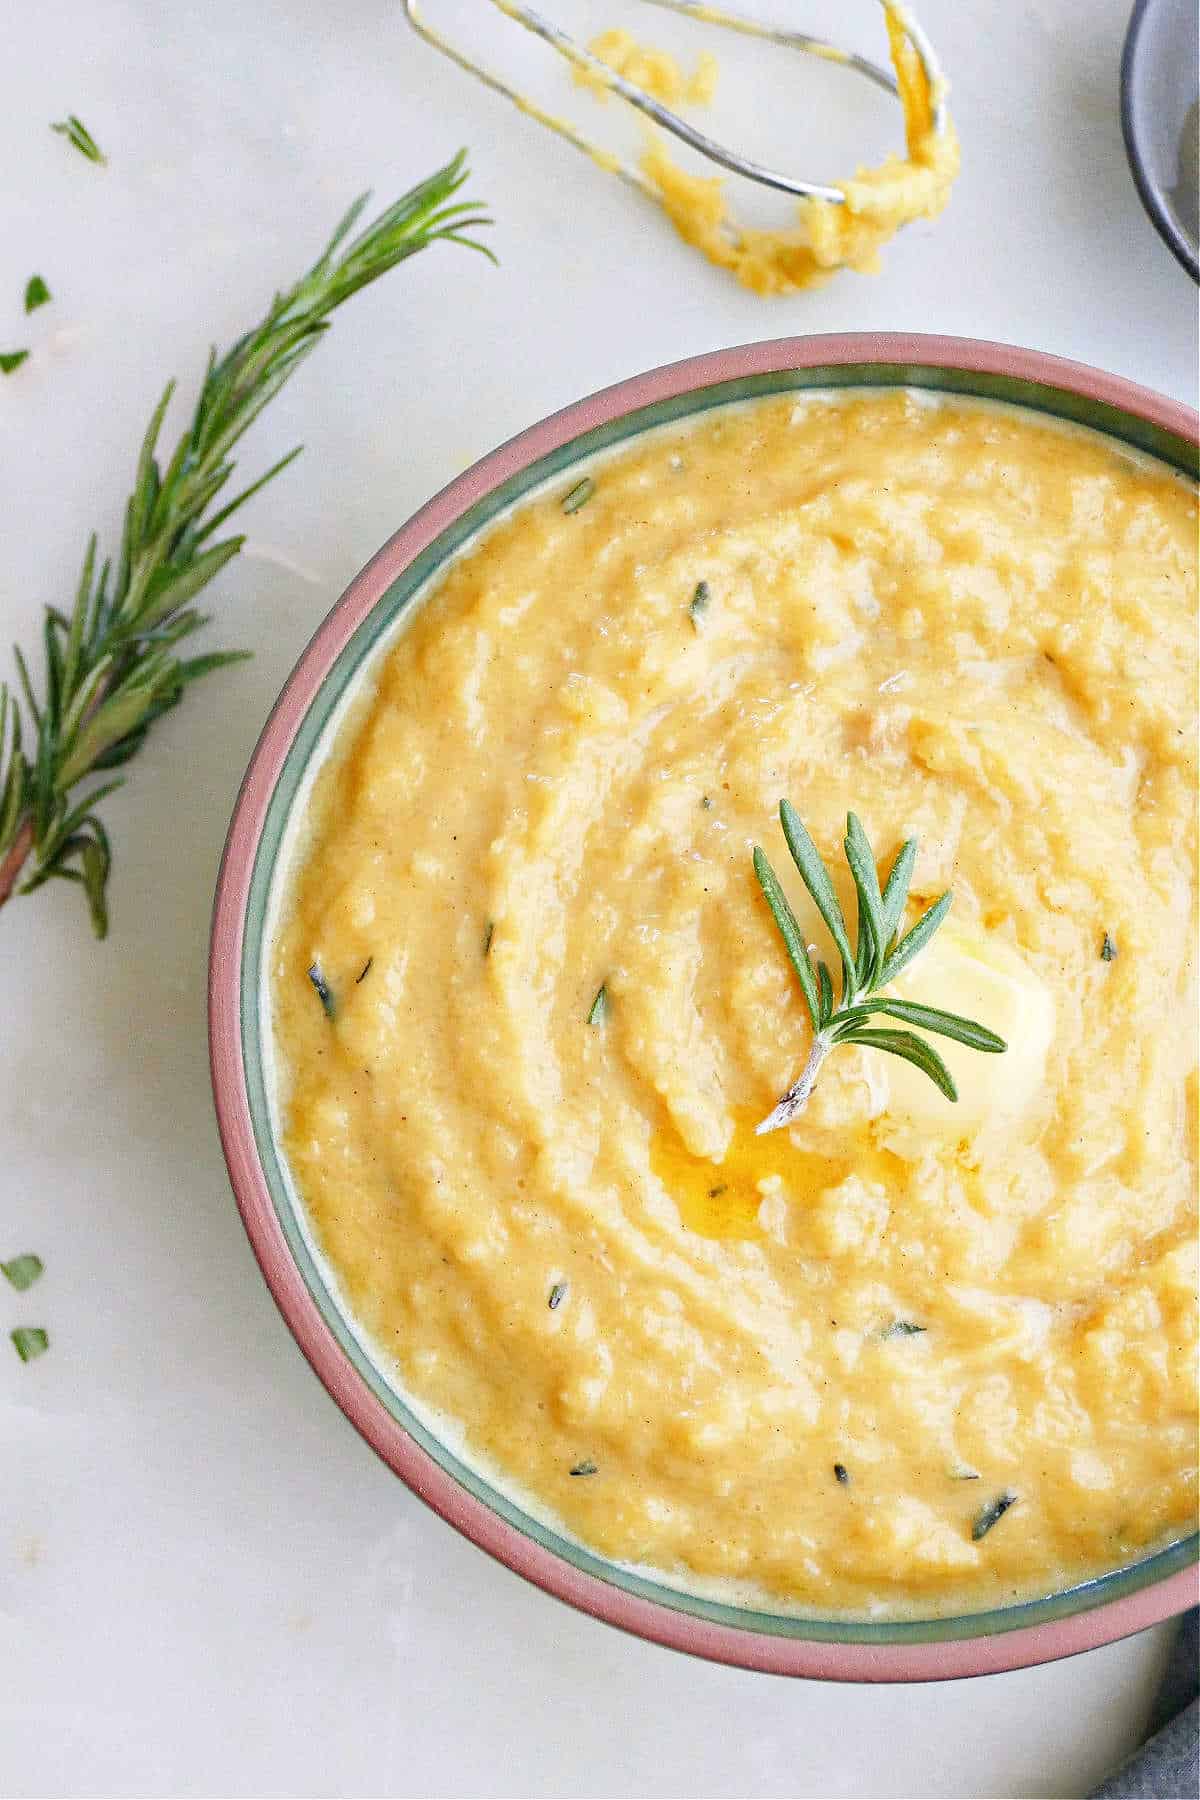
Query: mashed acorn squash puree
column 829, row 236
column 905, row 1356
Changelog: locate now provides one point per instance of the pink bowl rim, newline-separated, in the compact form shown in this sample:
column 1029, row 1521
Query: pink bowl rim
column 745, row 1648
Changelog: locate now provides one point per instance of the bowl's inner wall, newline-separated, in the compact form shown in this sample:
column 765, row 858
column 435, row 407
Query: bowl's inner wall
column 269, row 877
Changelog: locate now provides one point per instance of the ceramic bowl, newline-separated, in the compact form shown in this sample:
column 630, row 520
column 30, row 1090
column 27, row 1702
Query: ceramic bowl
column 273, row 792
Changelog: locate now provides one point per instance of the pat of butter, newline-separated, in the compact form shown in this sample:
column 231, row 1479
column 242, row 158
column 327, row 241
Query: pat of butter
column 967, row 972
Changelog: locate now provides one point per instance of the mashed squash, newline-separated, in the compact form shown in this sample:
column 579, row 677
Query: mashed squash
column 809, row 1367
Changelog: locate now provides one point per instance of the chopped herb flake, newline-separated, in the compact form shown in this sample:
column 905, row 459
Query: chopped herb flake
column 489, row 932
column 579, row 495
column 558, row 1294
column 706, row 803
column 23, row 1271
column 366, row 970
column 1108, row 949
column 29, row 1341
column 901, row 1328
column 11, row 359
column 714, row 1193
column 585, row 1468
column 990, row 1514
column 841, row 1474
column 599, row 1011
column 36, row 293
column 700, row 602
column 323, row 991
column 77, row 133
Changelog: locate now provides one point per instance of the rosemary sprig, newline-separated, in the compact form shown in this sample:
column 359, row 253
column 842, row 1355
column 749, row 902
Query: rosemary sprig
column 111, row 667
column 867, row 969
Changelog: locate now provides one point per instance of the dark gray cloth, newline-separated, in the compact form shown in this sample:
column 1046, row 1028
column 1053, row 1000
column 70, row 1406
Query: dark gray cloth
column 1167, row 1767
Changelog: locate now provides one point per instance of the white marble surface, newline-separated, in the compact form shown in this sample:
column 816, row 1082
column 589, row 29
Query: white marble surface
column 208, row 1584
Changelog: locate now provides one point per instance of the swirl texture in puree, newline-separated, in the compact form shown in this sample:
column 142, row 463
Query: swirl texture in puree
column 968, row 625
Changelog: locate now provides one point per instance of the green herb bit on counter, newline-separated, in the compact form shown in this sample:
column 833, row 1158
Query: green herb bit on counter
column 77, row 133
column 599, row 1010
column 324, row 993
column 23, row 1271
column 11, row 359
column 991, row 1514
column 579, row 495
column 36, row 293
column 585, row 1468
column 30, row 1342
column 558, row 1294
column 1108, row 949
column 700, row 602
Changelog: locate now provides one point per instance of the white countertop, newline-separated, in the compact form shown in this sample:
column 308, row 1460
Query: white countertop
column 208, row 1584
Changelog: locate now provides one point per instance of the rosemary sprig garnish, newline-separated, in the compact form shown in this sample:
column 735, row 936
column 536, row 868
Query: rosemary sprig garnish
column 111, row 668
column 77, row 133
column 867, row 969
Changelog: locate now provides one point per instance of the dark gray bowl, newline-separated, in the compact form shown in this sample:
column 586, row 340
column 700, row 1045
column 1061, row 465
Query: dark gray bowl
column 1160, row 116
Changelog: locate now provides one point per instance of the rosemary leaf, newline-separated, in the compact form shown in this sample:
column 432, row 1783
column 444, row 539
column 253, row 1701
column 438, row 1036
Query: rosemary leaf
column 789, row 931
column 36, row 293
column 324, row 993
column 29, row 1341
column 914, row 941
column 77, row 133
column 23, row 1271
column 901, row 1328
column 579, row 495
column 489, row 932
column 558, row 1294
column 699, row 603
column 585, row 1468
column 872, row 946
column 1108, row 949
column 815, row 877
column 991, row 1514
column 599, row 1007
column 364, row 972
column 841, row 1474
column 911, row 1049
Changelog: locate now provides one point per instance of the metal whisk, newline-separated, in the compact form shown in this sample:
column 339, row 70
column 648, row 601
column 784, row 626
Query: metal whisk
column 583, row 59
